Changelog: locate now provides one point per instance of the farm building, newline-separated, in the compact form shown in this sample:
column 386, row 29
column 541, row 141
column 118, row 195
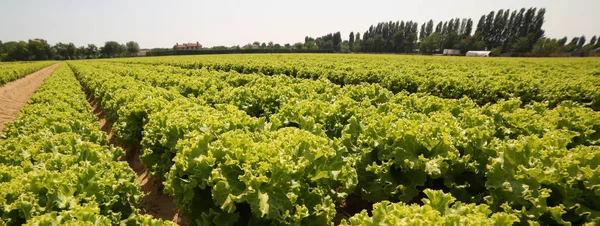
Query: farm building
column 143, row 52
column 185, row 46
column 451, row 52
column 479, row 53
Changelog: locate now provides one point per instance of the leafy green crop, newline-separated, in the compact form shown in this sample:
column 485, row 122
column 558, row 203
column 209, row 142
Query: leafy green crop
column 482, row 80
column 409, row 140
column 15, row 70
column 56, row 166
column 438, row 209
column 288, row 176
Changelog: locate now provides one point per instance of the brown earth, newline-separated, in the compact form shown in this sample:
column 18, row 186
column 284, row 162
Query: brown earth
column 154, row 202
column 14, row 95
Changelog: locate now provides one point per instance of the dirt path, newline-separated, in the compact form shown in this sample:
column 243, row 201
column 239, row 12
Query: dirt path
column 14, row 95
column 154, row 202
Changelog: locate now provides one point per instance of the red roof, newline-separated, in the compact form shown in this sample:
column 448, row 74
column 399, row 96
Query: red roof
column 187, row 45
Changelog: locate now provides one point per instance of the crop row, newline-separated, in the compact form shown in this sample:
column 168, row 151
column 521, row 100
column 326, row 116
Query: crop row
column 282, row 150
column 56, row 167
column 482, row 80
column 268, row 96
column 13, row 71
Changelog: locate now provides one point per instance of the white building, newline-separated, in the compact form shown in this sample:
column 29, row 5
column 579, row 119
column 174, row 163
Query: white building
column 451, row 52
column 142, row 52
column 479, row 53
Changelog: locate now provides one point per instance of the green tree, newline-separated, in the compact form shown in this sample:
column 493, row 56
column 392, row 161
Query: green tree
column 439, row 27
column 470, row 43
column 65, row 51
column 561, row 42
column 310, row 44
column 92, row 51
column 480, row 27
column 591, row 45
column 351, row 40
column 488, row 32
column 111, row 49
column 521, row 45
column 431, row 43
column 357, row 43
column 123, row 50
column 357, row 46
column 581, row 42
column 337, row 41
column 545, row 46
column 219, row 47
column 398, row 40
column 537, row 25
column 505, row 28
column 71, row 50
column 496, row 29
column 60, row 50
column 39, row 49
column 409, row 42
column 345, row 46
column 16, row 51
column 2, row 51
column 377, row 43
column 81, row 52
column 132, row 48
column 516, row 29
column 298, row 45
column 468, row 28
column 572, row 46
column 429, row 28
column 422, row 32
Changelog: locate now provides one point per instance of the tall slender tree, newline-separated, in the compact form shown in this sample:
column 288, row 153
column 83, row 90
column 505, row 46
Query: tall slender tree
column 468, row 28
column 581, row 41
column 132, row 48
column 351, row 40
column 422, row 32
column 562, row 41
column 429, row 28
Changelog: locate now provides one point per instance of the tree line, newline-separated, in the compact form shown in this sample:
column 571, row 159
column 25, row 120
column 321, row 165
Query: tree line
column 518, row 32
column 39, row 49
column 509, row 32
column 502, row 32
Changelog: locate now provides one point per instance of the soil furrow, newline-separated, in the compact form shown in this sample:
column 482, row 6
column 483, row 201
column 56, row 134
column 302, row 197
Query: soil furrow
column 154, row 202
column 14, row 95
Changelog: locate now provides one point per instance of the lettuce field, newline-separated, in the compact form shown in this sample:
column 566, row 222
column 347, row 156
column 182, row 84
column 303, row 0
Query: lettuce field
column 302, row 139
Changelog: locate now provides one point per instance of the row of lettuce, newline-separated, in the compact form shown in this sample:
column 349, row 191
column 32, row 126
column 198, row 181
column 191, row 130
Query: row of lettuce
column 255, row 149
column 57, row 168
column 482, row 80
column 15, row 70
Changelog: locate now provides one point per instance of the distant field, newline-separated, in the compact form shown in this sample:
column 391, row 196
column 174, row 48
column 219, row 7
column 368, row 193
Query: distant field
column 327, row 139
column 10, row 71
column 484, row 80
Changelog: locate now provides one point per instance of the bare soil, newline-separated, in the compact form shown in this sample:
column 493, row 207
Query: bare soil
column 154, row 202
column 14, row 95
column 352, row 205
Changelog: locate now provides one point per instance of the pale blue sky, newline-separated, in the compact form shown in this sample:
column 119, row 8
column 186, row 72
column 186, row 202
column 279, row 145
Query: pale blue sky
column 154, row 23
